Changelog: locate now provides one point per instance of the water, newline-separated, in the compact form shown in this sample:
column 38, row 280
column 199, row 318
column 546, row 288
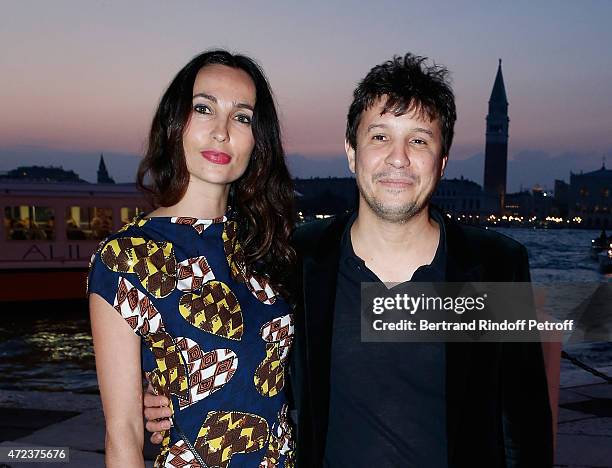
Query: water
column 563, row 255
column 56, row 354
column 45, row 354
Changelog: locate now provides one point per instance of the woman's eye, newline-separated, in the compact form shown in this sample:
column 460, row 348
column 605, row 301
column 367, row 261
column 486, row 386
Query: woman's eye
column 202, row 109
column 243, row 118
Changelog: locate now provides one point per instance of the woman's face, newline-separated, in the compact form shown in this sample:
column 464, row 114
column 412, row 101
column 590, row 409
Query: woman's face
column 218, row 138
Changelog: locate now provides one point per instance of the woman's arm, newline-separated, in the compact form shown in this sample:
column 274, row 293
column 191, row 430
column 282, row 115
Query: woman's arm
column 117, row 350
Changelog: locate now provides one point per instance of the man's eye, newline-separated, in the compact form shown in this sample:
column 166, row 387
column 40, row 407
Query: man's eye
column 243, row 118
column 379, row 137
column 418, row 141
column 202, row 109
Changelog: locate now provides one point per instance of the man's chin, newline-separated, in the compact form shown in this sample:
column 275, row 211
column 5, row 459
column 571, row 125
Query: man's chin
column 395, row 213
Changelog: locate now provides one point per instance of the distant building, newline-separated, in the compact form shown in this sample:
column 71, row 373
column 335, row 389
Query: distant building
column 103, row 177
column 41, row 174
column 496, row 150
column 461, row 196
column 325, row 196
column 561, row 199
column 528, row 204
column 590, row 198
column 519, row 204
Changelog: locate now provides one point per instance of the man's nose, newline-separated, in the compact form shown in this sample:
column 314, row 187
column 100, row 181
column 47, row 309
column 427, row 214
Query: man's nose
column 398, row 157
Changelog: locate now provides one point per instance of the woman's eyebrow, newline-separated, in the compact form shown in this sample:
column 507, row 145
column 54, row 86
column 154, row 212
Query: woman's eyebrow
column 211, row 98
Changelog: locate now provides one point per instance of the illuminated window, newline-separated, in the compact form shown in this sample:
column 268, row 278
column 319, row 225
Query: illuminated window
column 88, row 223
column 128, row 214
column 29, row 223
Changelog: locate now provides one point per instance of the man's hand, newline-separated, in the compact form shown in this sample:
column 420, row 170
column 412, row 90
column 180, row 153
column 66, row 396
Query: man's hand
column 157, row 414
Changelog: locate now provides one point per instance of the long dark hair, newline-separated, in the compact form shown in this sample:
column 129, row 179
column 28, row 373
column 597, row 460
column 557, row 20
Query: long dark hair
column 263, row 198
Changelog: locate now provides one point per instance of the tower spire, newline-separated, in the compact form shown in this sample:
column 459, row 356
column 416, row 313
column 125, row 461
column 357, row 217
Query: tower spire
column 498, row 93
column 103, row 177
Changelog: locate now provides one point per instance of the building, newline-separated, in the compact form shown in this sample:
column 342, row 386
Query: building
column 590, row 198
column 325, row 196
column 463, row 198
column 560, row 206
column 525, row 204
column 103, row 177
column 496, row 150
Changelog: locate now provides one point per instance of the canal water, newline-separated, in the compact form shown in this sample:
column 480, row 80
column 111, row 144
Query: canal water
column 52, row 350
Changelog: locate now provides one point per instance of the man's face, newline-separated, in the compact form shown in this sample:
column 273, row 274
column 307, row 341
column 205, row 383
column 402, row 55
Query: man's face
column 397, row 162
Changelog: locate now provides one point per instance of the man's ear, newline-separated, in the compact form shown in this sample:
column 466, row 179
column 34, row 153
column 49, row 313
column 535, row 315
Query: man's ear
column 350, row 155
column 443, row 166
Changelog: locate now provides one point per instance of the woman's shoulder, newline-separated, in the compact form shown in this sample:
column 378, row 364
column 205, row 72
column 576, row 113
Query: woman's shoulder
column 125, row 235
column 135, row 248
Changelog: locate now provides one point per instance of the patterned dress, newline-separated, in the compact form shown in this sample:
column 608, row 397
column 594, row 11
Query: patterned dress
column 215, row 339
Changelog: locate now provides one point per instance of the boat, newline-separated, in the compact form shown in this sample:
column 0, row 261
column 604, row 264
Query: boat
column 605, row 260
column 599, row 244
column 51, row 230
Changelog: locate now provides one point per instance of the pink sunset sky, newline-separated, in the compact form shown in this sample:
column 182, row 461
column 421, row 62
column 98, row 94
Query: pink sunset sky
column 81, row 78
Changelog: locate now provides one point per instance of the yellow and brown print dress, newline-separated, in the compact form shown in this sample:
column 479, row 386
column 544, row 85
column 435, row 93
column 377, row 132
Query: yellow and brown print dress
column 215, row 339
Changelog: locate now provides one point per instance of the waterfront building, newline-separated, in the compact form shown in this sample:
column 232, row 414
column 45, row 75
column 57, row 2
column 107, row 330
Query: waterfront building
column 560, row 205
column 525, row 204
column 464, row 199
column 590, row 198
column 325, row 195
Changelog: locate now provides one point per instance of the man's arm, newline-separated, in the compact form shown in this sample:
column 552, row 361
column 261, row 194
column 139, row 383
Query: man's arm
column 527, row 418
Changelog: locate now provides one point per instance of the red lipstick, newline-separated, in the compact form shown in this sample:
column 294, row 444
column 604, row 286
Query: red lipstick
column 216, row 157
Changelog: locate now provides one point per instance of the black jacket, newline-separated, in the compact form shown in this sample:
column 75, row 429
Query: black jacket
column 498, row 412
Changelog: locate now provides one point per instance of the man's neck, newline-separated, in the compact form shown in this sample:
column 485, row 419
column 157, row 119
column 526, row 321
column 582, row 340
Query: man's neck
column 394, row 251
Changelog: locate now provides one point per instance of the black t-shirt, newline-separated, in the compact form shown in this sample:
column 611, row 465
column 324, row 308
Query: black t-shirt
column 387, row 400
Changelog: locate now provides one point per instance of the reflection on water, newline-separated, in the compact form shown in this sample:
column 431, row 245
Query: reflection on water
column 44, row 354
column 38, row 352
column 562, row 256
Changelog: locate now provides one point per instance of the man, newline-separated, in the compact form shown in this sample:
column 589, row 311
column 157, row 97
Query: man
column 406, row 404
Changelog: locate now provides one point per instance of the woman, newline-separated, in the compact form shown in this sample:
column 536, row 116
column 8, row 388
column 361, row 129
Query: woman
column 191, row 289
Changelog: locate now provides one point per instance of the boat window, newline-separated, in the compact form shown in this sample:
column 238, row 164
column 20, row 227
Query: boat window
column 128, row 214
column 88, row 223
column 26, row 222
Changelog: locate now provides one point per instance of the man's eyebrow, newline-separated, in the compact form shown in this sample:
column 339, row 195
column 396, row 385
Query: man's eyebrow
column 373, row 126
column 423, row 130
column 211, row 98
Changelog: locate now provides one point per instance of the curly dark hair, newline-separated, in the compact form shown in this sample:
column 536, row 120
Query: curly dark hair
column 409, row 85
column 263, row 196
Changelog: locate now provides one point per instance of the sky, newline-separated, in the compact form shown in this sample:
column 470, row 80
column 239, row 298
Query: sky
column 82, row 78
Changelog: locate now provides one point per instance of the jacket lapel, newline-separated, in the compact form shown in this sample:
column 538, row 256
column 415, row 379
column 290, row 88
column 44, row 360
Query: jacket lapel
column 320, row 271
column 461, row 266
